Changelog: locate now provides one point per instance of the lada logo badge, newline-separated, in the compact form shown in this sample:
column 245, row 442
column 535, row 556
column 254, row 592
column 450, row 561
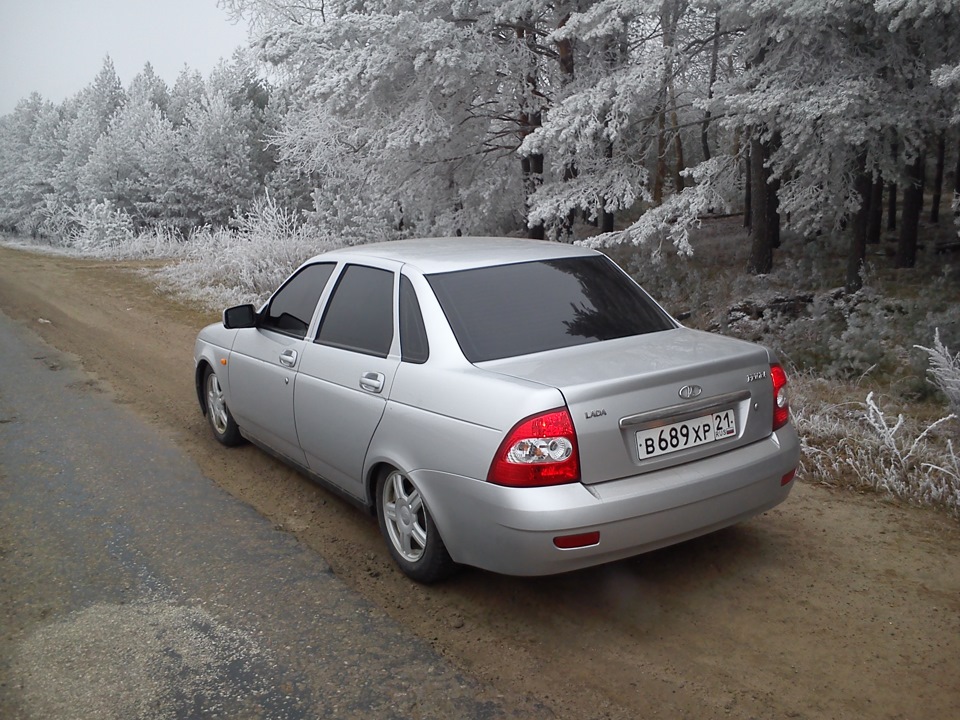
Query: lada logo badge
column 688, row 392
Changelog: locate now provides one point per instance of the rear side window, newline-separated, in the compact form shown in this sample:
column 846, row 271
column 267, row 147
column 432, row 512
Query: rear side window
column 359, row 315
column 292, row 307
column 509, row 310
column 413, row 334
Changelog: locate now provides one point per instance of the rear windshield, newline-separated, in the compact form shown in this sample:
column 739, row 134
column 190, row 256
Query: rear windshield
column 509, row 310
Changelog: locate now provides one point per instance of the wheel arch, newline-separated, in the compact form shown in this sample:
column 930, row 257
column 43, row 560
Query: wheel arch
column 379, row 468
column 199, row 375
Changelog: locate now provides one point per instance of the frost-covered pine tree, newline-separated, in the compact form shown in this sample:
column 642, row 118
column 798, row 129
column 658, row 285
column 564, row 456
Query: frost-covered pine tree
column 116, row 170
column 823, row 89
column 21, row 190
column 410, row 113
column 217, row 144
column 95, row 106
column 613, row 129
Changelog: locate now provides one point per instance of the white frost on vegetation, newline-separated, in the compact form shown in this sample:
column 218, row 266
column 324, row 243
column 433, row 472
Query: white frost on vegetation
column 944, row 370
column 218, row 267
column 858, row 444
column 717, row 182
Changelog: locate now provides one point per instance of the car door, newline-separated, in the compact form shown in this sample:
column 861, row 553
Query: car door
column 263, row 365
column 346, row 374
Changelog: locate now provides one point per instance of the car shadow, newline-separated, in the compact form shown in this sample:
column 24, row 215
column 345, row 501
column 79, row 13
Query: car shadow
column 641, row 592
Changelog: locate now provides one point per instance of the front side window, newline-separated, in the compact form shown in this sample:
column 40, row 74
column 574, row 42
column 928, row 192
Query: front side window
column 359, row 316
column 292, row 307
column 509, row 310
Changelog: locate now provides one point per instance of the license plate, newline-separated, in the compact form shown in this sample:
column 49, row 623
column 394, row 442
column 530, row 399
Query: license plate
column 688, row 433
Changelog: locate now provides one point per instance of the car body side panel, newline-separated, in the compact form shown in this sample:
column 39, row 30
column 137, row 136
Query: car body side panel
column 261, row 389
column 454, row 420
column 335, row 416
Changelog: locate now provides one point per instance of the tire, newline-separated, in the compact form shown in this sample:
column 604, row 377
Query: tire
column 406, row 524
column 222, row 424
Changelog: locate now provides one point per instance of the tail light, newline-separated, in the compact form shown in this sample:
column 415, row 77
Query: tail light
column 540, row 450
column 781, row 407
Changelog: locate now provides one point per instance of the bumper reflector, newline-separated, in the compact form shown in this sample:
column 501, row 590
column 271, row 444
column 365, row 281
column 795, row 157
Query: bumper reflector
column 567, row 542
column 788, row 477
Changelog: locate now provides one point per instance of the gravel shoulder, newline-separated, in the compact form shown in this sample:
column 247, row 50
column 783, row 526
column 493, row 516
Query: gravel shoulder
column 831, row 606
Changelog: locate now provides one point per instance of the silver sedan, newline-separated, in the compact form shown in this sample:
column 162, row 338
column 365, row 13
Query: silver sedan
column 519, row 406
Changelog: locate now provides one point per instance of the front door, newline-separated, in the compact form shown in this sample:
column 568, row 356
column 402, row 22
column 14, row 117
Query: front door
column 346, row 375
column 262, row 369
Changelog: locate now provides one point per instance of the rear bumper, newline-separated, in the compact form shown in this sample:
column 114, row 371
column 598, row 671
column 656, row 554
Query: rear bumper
column 511, row 530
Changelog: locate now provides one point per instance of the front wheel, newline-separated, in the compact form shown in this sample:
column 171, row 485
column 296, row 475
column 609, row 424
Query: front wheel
column 224, row 427
column 412, row 538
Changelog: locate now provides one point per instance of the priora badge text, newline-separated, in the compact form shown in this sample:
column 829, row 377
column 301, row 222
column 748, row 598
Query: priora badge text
column 594, row 413
column 688, row 392
column 753, row 377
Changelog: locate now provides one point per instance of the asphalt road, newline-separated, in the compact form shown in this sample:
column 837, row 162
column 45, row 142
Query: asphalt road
column 131, row 586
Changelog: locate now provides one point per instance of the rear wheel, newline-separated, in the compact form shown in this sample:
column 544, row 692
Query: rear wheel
column 224, row 427
column 412, row 538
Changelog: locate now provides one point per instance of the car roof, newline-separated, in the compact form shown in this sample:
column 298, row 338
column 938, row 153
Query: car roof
column 436, row 255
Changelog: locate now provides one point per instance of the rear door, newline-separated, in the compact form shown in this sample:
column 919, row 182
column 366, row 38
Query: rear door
column 263, row 365
column 347, row 372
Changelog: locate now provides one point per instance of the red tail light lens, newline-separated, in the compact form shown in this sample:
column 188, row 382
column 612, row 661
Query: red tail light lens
column 540, row 450
column 570, row 542
column 781, row 407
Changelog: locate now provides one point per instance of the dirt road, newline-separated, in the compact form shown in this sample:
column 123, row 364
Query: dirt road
column 133, row 588
column 831, row 606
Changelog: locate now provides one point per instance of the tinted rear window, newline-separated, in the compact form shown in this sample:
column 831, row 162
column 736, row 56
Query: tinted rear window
column 509, row 310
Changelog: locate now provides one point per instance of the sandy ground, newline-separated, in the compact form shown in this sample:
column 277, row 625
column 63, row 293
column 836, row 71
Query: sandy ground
column 830, row 606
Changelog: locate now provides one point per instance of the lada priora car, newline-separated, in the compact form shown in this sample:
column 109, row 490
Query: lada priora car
column 519, row 406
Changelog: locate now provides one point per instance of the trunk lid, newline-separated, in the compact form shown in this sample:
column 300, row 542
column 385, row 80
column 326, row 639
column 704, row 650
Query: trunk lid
column 651, row 401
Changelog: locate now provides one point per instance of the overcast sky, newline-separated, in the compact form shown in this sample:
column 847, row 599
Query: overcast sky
column 57, row 47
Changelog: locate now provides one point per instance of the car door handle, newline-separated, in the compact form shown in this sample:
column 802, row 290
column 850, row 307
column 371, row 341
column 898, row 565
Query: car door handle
column 372, row 381
column 288, row 358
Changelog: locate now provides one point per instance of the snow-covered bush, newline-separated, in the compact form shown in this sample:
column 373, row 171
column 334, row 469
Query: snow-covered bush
column 56, row 220
column 944, row 370
column 98, row 227
column 859, row 445
column 219, row 267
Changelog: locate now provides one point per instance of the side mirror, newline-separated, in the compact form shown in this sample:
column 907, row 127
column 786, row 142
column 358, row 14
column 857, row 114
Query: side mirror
column 240, row 316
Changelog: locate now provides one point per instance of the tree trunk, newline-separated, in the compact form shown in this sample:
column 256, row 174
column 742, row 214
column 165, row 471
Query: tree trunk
column 773, row 193
column 892, row 190
column 910, row 217
column 858, row 239
column 761, row 249
column 535, row 180
column 566, row 61
column 747, row 188
column 875, row 221
column 661, row 176
column 892, row 206
column 773, row 212
column 607, row 218
column 956, row 173
column 678, row 164
column 714, row 60
column 532, row 165
column 938, row 179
